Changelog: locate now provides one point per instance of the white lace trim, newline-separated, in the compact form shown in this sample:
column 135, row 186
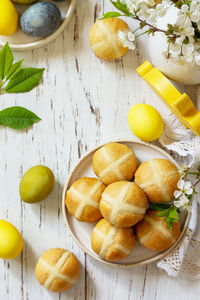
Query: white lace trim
column 173, row 263
column 185, row 259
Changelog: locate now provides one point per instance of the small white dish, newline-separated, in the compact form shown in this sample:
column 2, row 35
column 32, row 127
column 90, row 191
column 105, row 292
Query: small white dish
column 81, row 231
column 20, row 41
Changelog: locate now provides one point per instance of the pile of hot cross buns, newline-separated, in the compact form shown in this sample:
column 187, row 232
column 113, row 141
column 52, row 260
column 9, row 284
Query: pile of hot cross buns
column 119, row 199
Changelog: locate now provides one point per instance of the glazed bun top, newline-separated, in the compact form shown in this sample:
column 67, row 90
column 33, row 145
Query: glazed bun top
column 57, row 270
column 83, row 197
column 123, row 204
column 114, row 162
column 110, row 242
column 158, row 178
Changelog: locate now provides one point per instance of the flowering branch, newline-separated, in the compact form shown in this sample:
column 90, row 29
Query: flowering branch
column 153, row 28
column 183, row 36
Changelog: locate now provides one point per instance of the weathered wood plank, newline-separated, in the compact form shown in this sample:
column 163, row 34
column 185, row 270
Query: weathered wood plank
column 82, row 102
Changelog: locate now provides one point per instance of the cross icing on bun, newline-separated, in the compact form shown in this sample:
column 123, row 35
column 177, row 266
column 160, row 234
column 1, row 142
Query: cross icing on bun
column 114, row 162
column 112, row 243
column 123, row 204
column 158, row 178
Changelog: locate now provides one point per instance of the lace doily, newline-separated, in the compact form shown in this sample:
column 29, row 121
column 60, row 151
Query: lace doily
column 185, row 259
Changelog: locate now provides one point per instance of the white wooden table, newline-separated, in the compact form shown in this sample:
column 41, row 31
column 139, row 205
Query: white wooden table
column 82, row 102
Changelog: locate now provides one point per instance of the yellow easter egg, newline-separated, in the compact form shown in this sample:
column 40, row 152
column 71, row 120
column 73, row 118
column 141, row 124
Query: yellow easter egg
column 145, row 122
column 8, row 17
column 11, row 242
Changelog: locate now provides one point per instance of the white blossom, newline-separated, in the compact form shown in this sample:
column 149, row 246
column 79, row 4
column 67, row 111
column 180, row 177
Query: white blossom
column 177, row 194
column 185, row 47
column 158, row 11
column 181, row 184
column 188, row 51
column 183, row 201
column 182, row 195
column 188, row 188
column 127, row 39
column 176, row 48
column 185, row 187
column 195, row 11
column 185, row 190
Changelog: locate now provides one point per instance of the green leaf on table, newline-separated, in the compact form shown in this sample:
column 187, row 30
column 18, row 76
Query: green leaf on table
column 17, row 117
column 24, row 81
column 15, row 68
column 6, row 60
column 110, row 14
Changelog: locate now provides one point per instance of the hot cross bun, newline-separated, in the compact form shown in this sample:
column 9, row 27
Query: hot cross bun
column 114, row 162
column 110, row 242
column 82, row 199
column 123, row 204
column 158, row 178
column 154, row 234
column 57, row 270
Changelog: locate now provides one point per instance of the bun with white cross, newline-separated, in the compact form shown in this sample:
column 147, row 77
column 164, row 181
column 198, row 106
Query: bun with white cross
column 110, row 242
column 154, row 234
column 158, row 178
column 57, row 270
column 83, row 197
column 114, row 162
column 123, row 203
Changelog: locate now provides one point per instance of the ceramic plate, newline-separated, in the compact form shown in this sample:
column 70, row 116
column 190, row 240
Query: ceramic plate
column 20, row 41
column 81, row 231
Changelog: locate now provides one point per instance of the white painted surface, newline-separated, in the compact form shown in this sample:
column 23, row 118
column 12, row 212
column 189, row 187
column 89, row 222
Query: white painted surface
column 82, row 102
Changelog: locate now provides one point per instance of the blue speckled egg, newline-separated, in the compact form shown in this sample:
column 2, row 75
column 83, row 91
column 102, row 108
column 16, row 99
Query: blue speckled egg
column 41, row 19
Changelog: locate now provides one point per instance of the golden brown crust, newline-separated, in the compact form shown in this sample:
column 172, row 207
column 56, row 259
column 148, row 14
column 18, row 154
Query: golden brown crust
column 104, row 41
column 45, row 267
column 114, row 162
column 74, row 202
column 154, row 237
column 158, row 178
column 123, row 204
column 112, row 243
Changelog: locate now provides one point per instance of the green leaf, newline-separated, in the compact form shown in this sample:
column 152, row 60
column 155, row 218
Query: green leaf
column 169, row 223
column 121, row 6
column 159, row 206
column 167, row 211
column 24, row 81
column 15, row 68
column 6, row 60
column 17, row 117
column 110, row 14
column 163, row 213
column 172, row 218
column 173, row 214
